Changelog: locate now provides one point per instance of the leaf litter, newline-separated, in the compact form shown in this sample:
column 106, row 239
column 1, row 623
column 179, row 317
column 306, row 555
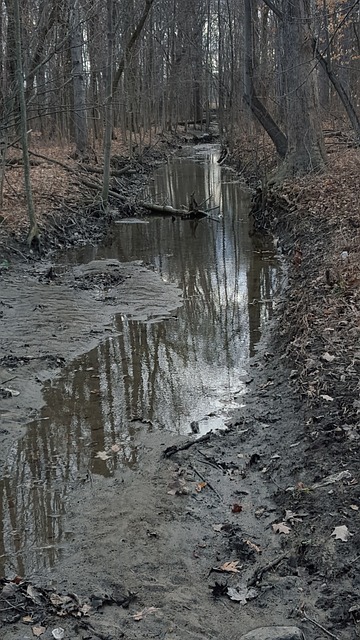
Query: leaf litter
column 27, row 602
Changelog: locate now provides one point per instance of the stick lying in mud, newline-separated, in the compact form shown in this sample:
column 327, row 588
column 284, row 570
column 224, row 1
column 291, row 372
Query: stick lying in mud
column 185, row 445
column 260, row 572
column 206, row 482
column 319, row 626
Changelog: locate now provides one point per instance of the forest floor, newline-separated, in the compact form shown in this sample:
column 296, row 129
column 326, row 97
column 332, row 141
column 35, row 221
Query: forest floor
column 270, row 536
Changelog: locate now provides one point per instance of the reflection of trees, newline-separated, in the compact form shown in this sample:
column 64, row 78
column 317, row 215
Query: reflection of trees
column 81, row 417
column 262, row 281
column 168, row 373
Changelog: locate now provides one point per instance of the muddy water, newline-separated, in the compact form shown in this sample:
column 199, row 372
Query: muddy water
column 154, row 372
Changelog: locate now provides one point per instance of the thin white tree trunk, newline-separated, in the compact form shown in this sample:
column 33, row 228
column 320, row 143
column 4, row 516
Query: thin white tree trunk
column 79, row 85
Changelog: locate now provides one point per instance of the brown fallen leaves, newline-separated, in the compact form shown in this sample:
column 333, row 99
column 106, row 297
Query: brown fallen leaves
column 231, row 567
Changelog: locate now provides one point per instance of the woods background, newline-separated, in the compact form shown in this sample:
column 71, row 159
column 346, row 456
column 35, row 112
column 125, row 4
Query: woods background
column 88, row 72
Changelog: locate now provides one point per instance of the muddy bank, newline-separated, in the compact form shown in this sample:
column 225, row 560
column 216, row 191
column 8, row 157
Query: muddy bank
column 157, row 538
column 51, row 315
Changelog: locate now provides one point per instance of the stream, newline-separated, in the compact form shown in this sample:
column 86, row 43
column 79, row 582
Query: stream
column 153, row 373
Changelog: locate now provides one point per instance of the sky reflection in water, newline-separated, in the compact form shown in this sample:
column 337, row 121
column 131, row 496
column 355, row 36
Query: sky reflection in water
column 153, row 374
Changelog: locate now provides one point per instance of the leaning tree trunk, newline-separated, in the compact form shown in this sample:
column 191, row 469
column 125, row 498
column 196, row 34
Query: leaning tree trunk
column 305, row 151
column 257, row 108
column 34, row 231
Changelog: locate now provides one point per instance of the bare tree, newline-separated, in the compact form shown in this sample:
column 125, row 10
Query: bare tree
column 109, row 102
column 78, row 78
column 34, row 231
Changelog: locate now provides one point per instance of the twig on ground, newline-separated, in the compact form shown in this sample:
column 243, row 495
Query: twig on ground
column 175, row 448
column 12, row 606
column 206, row 481
column 257, row 577
column 319, row 626
column 6, row 381
column 210, row 462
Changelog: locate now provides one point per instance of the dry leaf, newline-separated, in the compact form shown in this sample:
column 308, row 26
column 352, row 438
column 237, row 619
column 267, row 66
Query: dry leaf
column 281, row 527
column 140, row 615
column 85, row 609
column 342, row 533
column 102, row 455
column 354, row 507
column 327, row 398
column 33, row 593
column 217, row 527
column 58, row 600
column 38, row 631
column 242, row 594
column 327, row 357
column 236, row 508
column 252, row 545
column 27, row 619
column 332, row 479
column 200, row 486
column 293, row 517
column 230, row 567
column 115, row 448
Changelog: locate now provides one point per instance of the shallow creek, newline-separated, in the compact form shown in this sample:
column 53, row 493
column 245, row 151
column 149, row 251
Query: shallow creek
column 154, row 372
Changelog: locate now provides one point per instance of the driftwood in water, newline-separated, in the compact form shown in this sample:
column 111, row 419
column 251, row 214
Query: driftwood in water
column 168, row 210
column 186, row 214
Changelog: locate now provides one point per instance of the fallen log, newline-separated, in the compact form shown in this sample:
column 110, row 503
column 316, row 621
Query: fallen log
column 185, row 214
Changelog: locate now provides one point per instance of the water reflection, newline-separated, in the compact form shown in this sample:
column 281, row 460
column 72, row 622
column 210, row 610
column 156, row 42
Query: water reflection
column 153, row 374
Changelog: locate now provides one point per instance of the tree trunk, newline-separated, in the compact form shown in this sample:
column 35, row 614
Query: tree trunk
column 341, row 91
column 305, row 141
column 33, row 232
column 131, row 43
column 79, row 87
column 250, row 98
column 109, row 103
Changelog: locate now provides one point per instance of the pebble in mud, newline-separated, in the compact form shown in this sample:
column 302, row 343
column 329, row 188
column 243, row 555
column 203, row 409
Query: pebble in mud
column 274, row 633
